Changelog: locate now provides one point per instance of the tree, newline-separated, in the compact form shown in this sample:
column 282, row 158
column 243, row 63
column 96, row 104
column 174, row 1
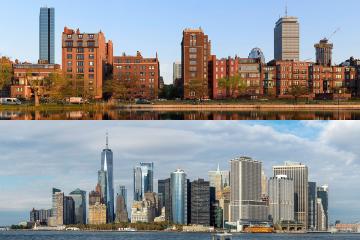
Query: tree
column 6, row 72
column 197, row 89
column 298, row 90
column 115, row 90
column 234, row 85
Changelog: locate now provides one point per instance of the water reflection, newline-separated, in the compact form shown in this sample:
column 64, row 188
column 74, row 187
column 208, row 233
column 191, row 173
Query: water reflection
column 179, row 115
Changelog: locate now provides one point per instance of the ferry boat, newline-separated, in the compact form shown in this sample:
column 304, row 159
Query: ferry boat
column 127, row 230
column 222, row 236
column 259, row 229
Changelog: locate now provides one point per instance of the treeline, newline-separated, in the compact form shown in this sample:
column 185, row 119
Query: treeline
column 114, row 227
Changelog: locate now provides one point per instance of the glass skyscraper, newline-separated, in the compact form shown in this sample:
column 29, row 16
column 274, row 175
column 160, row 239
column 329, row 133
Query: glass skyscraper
column 179, row 201
column 143, row 180
column 106, row 181
column 79, row 197
column 47, row 35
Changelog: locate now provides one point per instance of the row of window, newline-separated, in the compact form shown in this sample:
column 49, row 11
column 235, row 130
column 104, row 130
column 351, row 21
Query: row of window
column 128, row 67
column 81, row 50
column 81, row 36
column 80, row 44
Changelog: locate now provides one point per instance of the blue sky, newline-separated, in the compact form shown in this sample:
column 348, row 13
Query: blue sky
column 234, row 26
column 36, row 156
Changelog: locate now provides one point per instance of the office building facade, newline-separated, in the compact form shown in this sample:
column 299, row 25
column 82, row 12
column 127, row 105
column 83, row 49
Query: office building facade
column 323, row 194
column 281, row 199
column 164, row 190
column 200, row 202
column 287, row 39
column 79, row 197
column 312, row 222
column 179, row 197
column 246, row 205
column 47, row 35
column 324, row 52
column 299, row 174
column 143, row 180
column 219, row 180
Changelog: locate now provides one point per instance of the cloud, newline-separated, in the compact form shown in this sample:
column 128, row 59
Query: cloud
column 37, row 156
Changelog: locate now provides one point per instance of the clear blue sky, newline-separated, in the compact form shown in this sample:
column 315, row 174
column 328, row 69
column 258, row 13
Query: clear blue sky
column 234, row 26
column 38, row 156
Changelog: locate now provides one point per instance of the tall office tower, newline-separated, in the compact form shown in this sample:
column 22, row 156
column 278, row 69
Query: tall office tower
column 121, row 214
column 59, row 208
column 85, row 60
column 321, row 216
column 41, row 216
column 281, row 199
column 69, row 210
column 287, row 39
column 324, row 52
column 122, row 191
column 164, row 190
column 79, row 197
column 219, row 180
column 200, row 202
column 143, row 180
column 53, row 208
column 264, row 184
column 323, row 194
column 179, row 198
column 106, row 180
column 177, row 74
column 246, row 204
column 299, row 174
column 47, row 35
column 196, row 54
column 312, row 206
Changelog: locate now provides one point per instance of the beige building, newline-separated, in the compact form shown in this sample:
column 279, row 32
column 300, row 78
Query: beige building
column 299, row 174
column 97, row 214
column 142, row 211
column 219, row 180
column 287, row 39
column 59, row 206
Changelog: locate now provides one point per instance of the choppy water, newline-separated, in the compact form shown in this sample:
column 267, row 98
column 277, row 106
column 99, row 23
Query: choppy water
column 157, row 236
column 179, row 115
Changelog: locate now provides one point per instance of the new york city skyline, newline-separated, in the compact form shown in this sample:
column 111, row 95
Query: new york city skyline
column 229, row 35
column 34, row 161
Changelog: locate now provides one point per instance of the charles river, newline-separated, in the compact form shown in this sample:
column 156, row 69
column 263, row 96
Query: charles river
column 28, row 235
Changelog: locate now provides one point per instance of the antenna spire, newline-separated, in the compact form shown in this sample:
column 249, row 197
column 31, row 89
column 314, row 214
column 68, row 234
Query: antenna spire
column 286, row 9
column 107, row 140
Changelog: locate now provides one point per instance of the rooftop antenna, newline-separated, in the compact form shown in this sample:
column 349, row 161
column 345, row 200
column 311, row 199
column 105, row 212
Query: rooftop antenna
column 286, row 9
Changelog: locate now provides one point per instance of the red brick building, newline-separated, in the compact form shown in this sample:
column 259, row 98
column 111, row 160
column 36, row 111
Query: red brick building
column 23, row 73
column 196, row 55
column 248, row 71
column 140, row 75
column 86, row 58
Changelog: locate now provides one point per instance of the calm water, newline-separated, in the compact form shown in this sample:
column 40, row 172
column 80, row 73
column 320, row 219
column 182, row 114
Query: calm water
column 156, row 236
column 176, row 115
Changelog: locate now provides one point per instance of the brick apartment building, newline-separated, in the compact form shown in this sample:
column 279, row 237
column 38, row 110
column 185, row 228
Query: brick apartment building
column 141, row 76
column 86, row 60
column 196, row 55
column 26, row 72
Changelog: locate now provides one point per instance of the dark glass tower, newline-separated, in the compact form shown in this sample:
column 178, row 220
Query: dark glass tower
column 106, row 180
column 47, row 35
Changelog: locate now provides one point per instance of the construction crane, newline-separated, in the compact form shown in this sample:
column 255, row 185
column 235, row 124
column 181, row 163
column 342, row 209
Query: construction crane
column 333, row 34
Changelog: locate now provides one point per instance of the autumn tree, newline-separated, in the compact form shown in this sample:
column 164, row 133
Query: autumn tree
column 197, row 88
column 6, row 72
column 298, row 90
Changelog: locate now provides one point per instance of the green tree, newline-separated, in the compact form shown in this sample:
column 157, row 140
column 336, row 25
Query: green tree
column 6, row 72
column 115, row 90
column 58, row 87
column 234, row 85
column 298, row 90
column 198, row 88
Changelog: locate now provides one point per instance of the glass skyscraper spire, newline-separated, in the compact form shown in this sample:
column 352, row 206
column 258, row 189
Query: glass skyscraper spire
column 47, row 35
column 106, row 180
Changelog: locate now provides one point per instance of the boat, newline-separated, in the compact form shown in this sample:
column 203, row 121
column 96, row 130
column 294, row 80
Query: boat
column 222, row 236
column 259, row 229
column 127, row 230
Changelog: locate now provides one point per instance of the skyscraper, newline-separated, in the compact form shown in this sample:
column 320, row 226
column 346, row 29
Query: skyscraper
column 121, row 214
column 324, row 52
column 179, row 199
column 196, row 52
column 219, row 180
column 164, row 191
column 143, row 180
column 79, row 197
column 200, row 202
column 69, row 210
column 299, row 174
column 312, row 206
column 287, row 39
column 97, row 210
column 47, row 35
column 281, row 199
column 246, row 204
column 177, row 75
column 106, row 180
column 323, row 194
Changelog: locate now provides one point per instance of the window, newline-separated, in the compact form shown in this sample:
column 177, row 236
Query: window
column 91, row 36
column 91, row 63
column 80, row 36
column 193, row 50
column 69, row 70
column 193, row 56
column 91, row 70
column 80, row 56
column 193, row 62
column 91, row 44
column 80, row 43
column 80, row 50
column 91, row 56
column 80, row 64
column 69, row 36
column 152, row 74
column 151, row 68
column 69, row 63
column 69, row 49
column 91, row 76
column 69, row 43
column 69, row 56
column 80, row 70
column 91, row 50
